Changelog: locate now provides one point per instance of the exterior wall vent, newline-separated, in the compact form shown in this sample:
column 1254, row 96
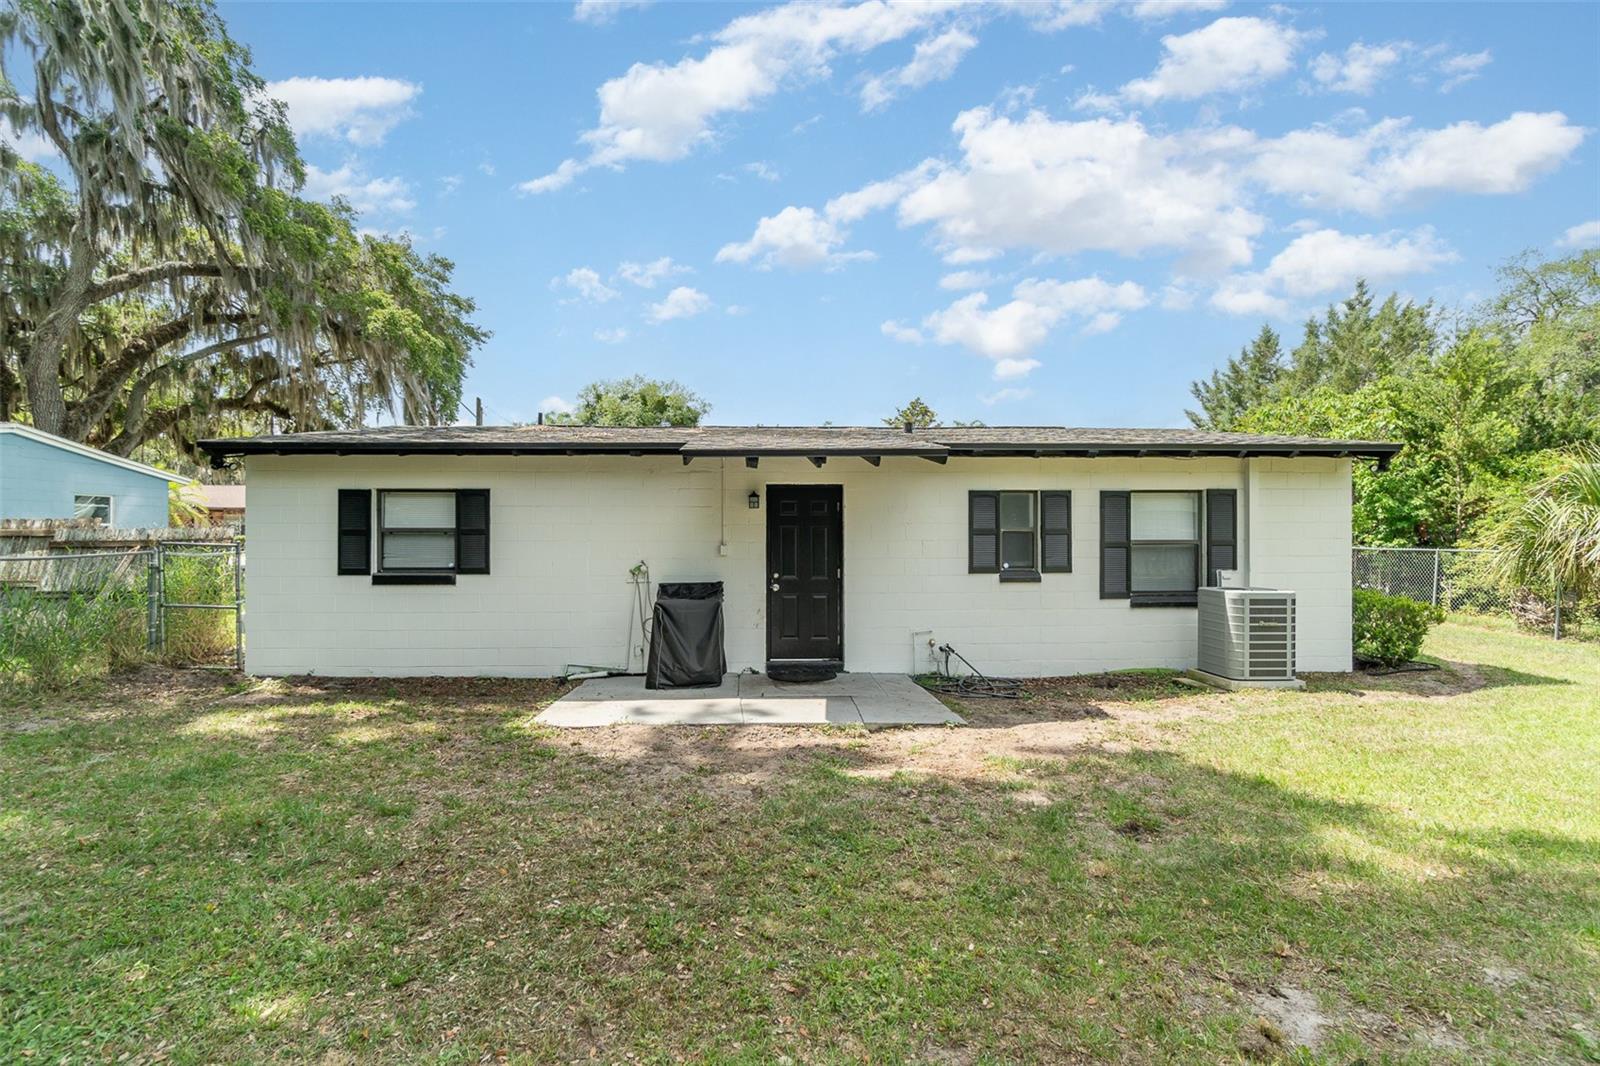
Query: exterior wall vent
column 1247, row 634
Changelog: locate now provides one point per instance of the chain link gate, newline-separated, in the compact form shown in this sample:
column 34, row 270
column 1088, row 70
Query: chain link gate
column 197, row 576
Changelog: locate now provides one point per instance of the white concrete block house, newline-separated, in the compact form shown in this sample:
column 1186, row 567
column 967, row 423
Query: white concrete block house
column 1035, row 551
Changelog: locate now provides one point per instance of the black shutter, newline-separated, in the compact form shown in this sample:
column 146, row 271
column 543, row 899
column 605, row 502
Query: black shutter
column 472, row 531
column 1114, row 550
column 983, row 532
column 355, row 531
column 1222, row 532
column 1055, row 532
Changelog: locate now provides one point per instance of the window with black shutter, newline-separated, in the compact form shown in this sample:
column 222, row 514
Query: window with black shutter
column 472, row 531
column 983, row 532
column 1114, row 546
column 355, row 531
column 1222, row 531
column 1055, row 532
column 428, row 536
column 1018, row 534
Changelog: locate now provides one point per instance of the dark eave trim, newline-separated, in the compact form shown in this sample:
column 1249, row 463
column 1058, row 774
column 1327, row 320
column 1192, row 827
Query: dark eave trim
column 222, row 449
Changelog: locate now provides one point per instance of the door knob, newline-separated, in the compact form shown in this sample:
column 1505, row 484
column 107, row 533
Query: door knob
column 774, row 586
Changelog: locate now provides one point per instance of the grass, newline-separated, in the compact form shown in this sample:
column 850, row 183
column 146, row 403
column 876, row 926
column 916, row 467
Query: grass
column 203, row 868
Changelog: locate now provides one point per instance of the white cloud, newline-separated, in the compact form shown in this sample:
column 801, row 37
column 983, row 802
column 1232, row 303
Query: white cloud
column 559, row 178
column 1006, row 369
column 1360, row 68
column 966, row 279
column 1176, row 298
column 1002, row 395
column 363, row 193
column 1097, row 185
column 1461, row 68
column 663, row 111
column 1006, row 334
column 682, row 302
column 762, row 170
column 736, row 310
column 899, row 331
column 1388, row 163
column 611, row 336
column 645, row 275
column 1229, row 55
column 1062, row 14
column 359, row 110
column 934, row 59
column 486, row 168
column 1583, row 235
column 601, row 12
column 449, row 184
column 586, row 283
column 1154, row 10
column 1328, row 260
column 796, row 237
column 962, row 254
column 556, row 405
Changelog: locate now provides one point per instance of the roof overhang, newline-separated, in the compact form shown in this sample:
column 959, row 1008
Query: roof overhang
column 223, row 449
column 33, row 433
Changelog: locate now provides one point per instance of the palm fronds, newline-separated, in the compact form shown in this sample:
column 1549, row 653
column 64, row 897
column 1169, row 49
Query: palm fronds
column 1555, row 534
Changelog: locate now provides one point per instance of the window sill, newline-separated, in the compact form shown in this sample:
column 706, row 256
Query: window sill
column 401, row 578
column 1019, row 575
column 1164, row 599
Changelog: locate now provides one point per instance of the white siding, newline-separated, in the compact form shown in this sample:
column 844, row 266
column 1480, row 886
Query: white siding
column 565, row 531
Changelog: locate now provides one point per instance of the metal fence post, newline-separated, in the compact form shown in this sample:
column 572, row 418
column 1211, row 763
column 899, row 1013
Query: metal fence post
column 152, row 594
column 1557, row 579
column 1436, row 577
column 238, row 605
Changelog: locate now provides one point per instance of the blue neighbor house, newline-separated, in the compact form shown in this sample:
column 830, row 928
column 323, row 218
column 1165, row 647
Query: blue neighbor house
column 46, row 476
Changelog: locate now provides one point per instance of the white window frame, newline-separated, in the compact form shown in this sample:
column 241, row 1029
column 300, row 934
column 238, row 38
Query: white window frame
column 1169, row 597
column 111, row 505
column 383, row 529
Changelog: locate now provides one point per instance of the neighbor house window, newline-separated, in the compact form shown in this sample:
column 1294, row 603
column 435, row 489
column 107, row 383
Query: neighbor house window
column 1019, row 534
column 92, row 507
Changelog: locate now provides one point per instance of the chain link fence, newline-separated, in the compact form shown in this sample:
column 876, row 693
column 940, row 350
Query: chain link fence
column 66, row 614
column 1461, row 580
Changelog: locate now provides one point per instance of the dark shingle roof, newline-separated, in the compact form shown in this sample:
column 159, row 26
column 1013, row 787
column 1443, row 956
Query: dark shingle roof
column 936, row 442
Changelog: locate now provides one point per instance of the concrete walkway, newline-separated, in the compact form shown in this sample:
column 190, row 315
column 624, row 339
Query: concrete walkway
column 751, row 699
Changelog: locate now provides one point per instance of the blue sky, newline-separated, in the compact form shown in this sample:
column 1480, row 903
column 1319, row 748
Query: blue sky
column 1040, row 214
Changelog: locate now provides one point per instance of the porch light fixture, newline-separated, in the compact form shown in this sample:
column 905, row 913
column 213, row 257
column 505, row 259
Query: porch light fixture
column 755, row 500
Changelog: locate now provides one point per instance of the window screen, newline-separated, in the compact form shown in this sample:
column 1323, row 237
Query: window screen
column 1164, row 547
column 416, row 531
column 1019, row 535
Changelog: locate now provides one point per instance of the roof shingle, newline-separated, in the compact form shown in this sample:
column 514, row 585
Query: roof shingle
column 933, row 442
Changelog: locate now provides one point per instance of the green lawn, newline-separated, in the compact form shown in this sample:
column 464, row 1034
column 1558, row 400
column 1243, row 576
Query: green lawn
column 1405, row 868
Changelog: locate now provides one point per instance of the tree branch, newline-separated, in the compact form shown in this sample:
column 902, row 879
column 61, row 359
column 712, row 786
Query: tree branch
column 134, row 279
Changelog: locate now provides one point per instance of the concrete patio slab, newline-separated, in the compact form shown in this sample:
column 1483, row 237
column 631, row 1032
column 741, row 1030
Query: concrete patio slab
column 751, row 699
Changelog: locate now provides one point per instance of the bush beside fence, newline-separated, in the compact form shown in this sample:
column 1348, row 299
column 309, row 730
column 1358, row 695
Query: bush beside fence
column 1465, row 581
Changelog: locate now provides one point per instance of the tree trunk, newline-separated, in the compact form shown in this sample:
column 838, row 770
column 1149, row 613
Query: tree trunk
column 41, row 368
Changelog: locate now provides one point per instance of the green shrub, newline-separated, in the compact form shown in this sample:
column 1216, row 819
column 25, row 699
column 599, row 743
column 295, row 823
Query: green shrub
column 1389, row 629
column 50, row 640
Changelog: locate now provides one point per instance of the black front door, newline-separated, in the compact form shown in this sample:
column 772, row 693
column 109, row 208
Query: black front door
column 805, row 572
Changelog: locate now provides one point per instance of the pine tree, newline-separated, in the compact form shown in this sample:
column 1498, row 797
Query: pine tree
column 1249, row 379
